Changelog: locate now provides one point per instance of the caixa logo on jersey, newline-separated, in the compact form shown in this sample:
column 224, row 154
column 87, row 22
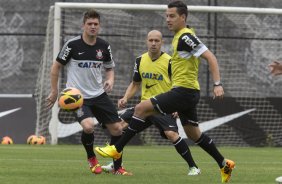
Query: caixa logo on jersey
column 89, row 65
column 154, row 76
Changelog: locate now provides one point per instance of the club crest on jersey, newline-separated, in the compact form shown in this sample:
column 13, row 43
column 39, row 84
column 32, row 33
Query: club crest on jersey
column 99, row 54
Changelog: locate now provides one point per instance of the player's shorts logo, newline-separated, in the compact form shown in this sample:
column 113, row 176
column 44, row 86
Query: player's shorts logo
column 79, row 112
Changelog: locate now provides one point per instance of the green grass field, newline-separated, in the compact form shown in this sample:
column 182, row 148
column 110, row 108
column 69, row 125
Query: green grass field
column 25, row 164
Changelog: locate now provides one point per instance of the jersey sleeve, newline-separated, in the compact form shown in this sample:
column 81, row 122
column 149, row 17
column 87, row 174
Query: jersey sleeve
column 109, row 62
column 190, row 45
column 136, row 75
column 65, row 53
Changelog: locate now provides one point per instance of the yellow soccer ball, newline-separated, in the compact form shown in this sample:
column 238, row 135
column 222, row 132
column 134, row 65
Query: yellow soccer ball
column 70, row 99
column 41, row 140
column 32, row 139
column 6, row 140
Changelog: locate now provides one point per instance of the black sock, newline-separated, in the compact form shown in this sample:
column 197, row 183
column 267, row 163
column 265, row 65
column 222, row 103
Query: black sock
column 206, row 143
column 183, row 149
column 118, row 162
column 87, row 141
column 136, row 125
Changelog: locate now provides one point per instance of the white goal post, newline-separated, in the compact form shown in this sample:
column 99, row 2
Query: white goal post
column 213, row 35
column 215, row 9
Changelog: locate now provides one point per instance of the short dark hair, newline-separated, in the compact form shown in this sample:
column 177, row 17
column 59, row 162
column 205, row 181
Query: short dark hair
column 91, row 14
column 180, row 6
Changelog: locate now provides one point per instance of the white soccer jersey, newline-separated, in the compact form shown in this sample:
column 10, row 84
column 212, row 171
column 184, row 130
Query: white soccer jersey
column 84, row 65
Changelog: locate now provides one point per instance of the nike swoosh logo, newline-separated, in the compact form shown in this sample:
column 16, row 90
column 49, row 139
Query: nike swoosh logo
column 65, row 130
column 149, row 86
column 8, row 112
column 208, row 125
column 80, row 53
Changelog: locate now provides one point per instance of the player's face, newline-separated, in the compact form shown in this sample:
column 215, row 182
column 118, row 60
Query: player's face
column 91, row 27
column 154, row 42
column 175, row 22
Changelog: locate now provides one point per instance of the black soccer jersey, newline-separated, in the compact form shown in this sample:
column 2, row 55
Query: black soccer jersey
column 84, row 65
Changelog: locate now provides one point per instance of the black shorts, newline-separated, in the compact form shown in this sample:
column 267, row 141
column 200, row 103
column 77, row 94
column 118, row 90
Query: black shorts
column 162, row 122
column 100, row 107
column 181, row 100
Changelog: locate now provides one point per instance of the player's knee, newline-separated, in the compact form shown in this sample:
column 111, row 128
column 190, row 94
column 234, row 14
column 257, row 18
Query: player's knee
column 124, row 125
column 87, row 126
column 139, row 110
column 115, row 129
column 88, row 129
column 171, row 135
column 192, row 132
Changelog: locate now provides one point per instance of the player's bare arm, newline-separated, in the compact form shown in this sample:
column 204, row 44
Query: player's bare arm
column 110, row 77
column 130, row 92
column 214, row 69
column 55, row 71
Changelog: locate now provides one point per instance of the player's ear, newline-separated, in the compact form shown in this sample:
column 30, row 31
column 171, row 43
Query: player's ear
column 183, row 17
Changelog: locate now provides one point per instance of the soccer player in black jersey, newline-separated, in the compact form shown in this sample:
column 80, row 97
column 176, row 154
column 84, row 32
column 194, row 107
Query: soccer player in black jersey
column 185, row 94
column 85, row 56
column 152, row 73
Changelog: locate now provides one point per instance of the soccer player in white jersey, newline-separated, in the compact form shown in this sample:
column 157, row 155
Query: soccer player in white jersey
column 184, row 96
column 85, row 56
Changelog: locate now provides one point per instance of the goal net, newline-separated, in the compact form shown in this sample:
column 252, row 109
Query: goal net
column 244, row 40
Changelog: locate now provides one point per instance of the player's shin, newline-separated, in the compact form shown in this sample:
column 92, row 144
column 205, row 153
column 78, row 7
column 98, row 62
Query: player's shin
column 118, row 162
column 136, row 125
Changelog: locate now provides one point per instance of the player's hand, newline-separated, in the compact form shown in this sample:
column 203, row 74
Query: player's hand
column 218, row 92
column 51, row 99
column 275, row 68
column 122, row 103
column 108, row 86
column 175, row 115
